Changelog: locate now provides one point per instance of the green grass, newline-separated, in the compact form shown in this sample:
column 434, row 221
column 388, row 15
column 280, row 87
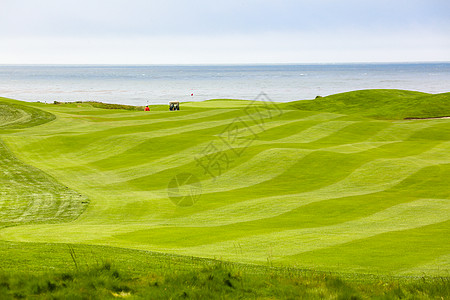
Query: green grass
column 43, row 271
column 341, row 183
column 214, row 281
column 14, row 115
column 103, row 105
column 381, row 104
column 28, row 195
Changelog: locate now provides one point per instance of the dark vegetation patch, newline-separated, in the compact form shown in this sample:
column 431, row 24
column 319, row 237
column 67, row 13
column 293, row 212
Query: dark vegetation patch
column 106, row 105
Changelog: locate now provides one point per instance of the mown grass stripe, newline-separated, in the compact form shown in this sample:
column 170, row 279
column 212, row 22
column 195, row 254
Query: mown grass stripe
column 404, row 216
column 372, row 177
column 228, row 180
column 90, row 144
column 393, row 252
column 399, row 131
column 434, row 267
column 316, row 132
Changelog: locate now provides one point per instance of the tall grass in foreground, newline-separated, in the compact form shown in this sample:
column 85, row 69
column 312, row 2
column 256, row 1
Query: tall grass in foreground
column 212, row 281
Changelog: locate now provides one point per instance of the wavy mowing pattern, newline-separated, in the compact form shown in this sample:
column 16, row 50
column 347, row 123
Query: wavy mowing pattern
column 223, row 182
column 372, row 177
column 216, row 217
column 153, row 166
column 249, row 172
column 331, row 127
column 184, row 157
column 99, row 141
column 246, row 174
column 88, row 133
column 263, row 161
column 400, row 131
column 316, row 132
column 91, row 150
column 106, row 141
column 290, row 242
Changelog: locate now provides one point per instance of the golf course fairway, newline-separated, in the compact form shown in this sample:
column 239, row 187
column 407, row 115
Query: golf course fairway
column 357, row 182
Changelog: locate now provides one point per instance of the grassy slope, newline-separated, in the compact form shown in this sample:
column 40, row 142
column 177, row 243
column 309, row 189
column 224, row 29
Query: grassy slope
column 313, row 189
column 381, row 104
column 14, row 115
column 28, row 195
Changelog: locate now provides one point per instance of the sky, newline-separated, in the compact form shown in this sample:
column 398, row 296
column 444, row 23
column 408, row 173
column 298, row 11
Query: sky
column 223, row 32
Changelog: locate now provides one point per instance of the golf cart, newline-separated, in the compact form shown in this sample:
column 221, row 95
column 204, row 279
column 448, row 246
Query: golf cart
column 174, row 105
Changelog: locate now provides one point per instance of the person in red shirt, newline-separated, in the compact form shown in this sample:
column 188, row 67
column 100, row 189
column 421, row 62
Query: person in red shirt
column 147, row 108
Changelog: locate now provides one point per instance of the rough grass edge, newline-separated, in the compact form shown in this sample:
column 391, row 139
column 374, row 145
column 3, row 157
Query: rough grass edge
column 211, row 281
column 103, row 105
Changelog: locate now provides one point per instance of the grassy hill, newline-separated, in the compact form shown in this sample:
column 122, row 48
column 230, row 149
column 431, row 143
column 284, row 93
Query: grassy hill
column 381, row 104
column 341, row 183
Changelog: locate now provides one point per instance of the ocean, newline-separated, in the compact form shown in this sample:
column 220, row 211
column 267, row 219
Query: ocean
column 142, row 85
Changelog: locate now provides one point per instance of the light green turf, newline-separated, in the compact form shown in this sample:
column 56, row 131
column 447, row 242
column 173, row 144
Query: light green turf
column 308, row 184
column 28, row 195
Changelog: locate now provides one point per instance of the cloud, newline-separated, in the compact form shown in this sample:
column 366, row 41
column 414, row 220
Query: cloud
column 271, row 47
column 252, row 31
column 200, row 17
